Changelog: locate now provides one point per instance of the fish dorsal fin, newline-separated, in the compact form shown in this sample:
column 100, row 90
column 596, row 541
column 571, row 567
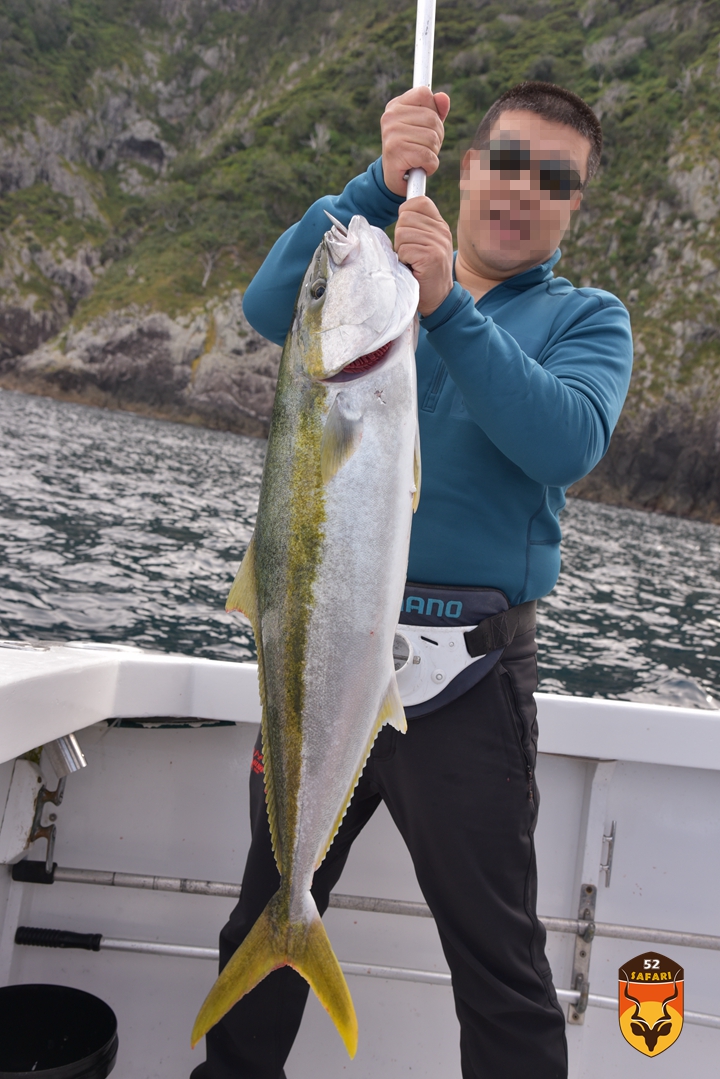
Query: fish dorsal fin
column 341, row 437
column 391, row 709
column 243, row 594
column 417, row 469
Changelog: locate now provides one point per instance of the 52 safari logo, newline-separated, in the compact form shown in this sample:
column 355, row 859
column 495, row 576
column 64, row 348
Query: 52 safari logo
column 650, row 995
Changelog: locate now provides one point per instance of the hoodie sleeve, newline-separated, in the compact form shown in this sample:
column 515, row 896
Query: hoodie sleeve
column 269, row 299
column 551, row 416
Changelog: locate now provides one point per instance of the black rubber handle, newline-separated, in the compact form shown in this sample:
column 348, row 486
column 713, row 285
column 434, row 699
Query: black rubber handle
column 28, row 872
column 57, row 938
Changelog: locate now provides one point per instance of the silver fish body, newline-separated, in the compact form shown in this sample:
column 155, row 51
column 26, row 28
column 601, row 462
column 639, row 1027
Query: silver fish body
column 322, row 583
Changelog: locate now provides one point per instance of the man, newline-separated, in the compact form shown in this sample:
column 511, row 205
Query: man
column 521, row 379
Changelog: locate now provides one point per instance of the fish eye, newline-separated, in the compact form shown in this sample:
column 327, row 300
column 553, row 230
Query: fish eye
column 317, row 289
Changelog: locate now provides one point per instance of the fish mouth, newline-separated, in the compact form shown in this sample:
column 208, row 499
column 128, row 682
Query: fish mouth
column 361, row 366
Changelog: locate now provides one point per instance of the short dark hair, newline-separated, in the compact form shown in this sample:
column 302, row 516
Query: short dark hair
column 553, row 103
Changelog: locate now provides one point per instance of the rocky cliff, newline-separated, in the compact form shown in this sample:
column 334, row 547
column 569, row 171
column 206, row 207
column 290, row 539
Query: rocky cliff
column 207, row 366
column 151, row 151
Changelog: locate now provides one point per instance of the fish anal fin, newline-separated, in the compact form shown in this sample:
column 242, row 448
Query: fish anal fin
column 341, row 437
column 270, row 799
column 391, row 709
column 276, row 942
column 243, row 594
column 417, row 470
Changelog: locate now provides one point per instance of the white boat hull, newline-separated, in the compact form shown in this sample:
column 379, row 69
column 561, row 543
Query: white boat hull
column 173, row 802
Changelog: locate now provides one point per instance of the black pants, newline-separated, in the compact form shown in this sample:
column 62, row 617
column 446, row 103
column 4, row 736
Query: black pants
column 459, row 786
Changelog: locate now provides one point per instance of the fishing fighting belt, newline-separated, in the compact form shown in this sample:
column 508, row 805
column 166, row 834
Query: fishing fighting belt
column 449, row 638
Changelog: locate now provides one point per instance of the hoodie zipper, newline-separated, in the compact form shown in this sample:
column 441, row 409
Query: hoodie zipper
column 435, row 389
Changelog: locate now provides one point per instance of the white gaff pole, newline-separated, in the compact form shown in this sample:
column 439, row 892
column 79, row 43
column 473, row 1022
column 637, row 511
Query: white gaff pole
column 422, row 75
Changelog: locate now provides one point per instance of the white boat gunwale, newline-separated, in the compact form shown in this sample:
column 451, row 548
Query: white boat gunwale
column 85, row 686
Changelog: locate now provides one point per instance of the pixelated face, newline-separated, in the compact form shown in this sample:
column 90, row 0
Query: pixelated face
column 519, row 191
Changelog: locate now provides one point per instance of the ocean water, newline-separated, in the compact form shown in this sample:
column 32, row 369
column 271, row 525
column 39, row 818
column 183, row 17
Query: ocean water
column 114, row 527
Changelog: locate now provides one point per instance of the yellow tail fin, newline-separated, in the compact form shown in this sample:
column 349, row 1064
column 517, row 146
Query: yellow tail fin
column 275, row 942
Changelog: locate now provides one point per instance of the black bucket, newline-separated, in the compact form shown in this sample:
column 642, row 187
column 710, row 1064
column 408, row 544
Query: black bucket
column 55, row 1032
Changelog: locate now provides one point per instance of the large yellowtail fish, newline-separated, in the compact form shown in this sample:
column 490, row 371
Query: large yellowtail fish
column 322, row 584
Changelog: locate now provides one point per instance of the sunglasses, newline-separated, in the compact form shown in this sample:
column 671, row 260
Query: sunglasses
column 556, row 177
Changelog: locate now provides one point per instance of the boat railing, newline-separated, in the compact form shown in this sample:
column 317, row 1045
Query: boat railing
column 35, row 872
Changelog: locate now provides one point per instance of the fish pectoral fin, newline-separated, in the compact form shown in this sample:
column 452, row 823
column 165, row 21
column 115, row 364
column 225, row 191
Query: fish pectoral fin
column 417, row 470
column 341, row 437
column 243, row 594
column 391, row 709
column 275, row 942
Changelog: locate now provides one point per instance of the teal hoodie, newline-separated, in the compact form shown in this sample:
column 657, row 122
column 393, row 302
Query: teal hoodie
column 518, row 396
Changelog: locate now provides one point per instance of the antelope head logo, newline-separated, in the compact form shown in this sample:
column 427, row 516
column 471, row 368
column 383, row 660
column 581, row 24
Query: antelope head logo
column 642, row 1028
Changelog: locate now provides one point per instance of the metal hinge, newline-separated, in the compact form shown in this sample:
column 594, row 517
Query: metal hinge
column 47, row 831
column 580, row 980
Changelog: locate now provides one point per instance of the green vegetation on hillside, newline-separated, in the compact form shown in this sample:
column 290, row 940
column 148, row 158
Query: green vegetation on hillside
column 51, row 49
column 261, row 107
column 288, row 97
